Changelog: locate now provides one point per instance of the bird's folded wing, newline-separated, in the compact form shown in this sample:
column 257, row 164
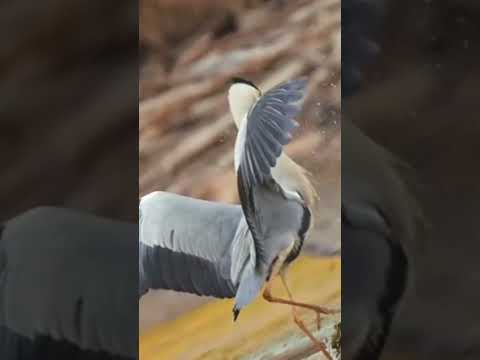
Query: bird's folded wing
column 260, row 143
column 187, row 245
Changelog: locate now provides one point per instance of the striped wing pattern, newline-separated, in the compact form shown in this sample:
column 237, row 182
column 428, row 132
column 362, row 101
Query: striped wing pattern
column 269, row 127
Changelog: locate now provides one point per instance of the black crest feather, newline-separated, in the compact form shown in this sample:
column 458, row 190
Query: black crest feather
column 238, row 80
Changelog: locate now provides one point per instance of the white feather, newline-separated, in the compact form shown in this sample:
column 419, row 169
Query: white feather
column 241, row 98
column 240, row 143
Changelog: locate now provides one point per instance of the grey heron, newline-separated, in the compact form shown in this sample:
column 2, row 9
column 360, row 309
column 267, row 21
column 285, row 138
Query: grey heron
column 233, row 251
column 68, row 284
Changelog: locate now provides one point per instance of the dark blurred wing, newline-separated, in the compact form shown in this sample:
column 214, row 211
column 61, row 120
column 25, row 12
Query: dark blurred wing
column 68, row 287
column 268, row 128
column 374, row 273
column 365, row 217
column 187, row 245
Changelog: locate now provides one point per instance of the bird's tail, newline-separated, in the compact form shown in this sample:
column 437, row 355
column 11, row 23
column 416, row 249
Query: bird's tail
column 250, row 286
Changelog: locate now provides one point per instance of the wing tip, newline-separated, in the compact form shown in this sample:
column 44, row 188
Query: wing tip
column 235, row 312
column 300, row 82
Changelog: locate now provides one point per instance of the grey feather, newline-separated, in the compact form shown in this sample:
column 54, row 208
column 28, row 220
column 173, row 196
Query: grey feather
column 250, row 286
column 192, row 245
column 282, row 219
column 200, row 228
column 243, row 249
column 68, row 276
column 166, row 269
column 275, row 221
column 269, row 127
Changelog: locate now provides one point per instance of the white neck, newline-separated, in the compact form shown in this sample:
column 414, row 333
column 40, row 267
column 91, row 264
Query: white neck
column 241, row 98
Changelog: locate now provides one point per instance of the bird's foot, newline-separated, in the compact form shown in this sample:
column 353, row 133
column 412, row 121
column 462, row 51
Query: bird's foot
column 319, row 321
column 320, row 310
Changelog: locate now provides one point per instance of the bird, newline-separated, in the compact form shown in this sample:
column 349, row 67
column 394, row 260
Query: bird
column 228, row 250
column 68, row 286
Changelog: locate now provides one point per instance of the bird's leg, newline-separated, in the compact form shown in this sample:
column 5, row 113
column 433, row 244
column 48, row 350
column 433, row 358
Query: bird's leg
column 268, row 297
column 318, row 309
column 320, row 345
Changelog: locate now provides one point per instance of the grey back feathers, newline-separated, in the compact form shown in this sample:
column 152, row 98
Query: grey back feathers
column 277, row 223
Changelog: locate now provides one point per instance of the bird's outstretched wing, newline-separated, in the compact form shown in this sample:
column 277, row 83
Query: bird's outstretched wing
column 68, row 286
column 260, row 142
column 268, row 128
column 191, row 245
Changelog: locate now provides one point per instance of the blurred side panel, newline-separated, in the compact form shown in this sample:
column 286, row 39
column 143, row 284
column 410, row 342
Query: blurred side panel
column 416, row 99
column 68, row 180
column 69, row 107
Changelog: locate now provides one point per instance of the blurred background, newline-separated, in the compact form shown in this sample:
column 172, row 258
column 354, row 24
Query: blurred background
column 189, row 51
column 68, row 121
column 419, row 99
column 68, row 138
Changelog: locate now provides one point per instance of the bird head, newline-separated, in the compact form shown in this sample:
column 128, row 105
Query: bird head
column 242, row 95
